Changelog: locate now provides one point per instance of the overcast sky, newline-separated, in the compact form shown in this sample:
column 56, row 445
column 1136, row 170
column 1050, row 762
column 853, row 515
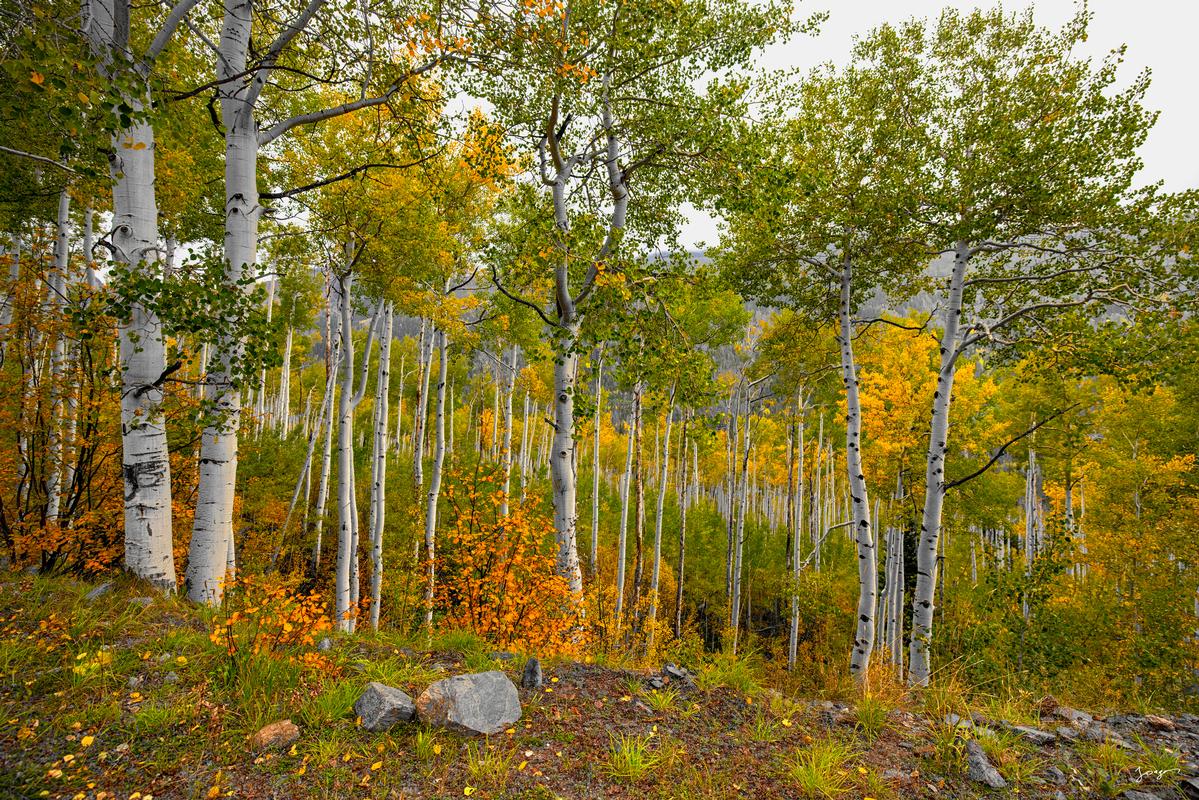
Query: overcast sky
column 1160, row 34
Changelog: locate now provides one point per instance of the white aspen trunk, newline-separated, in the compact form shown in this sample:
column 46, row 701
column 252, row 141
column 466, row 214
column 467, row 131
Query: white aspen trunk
column 743, row 509
column 863, row 647
column 562, row 461
column 379, row 486
column 919, row 666
column 796, row 564
column 322, row 496
column 655, row 573
column 399, row 440
column 58, row 360
column 682, row 559
column 506, row 454
column 595, row 467
column 212, row 530
column 495, row 415
column 524, row 450
column 449, row 413
column 347, row 507
column 435, row 483
column 261, row 409
column 284, row 421
column 144, row 458
column 422, row 403
column 622, row 543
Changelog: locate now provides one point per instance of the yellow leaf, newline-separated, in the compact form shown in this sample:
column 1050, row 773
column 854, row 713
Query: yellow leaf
column 376, row 766
column 86, row 741
column 469, row 790
column 37, row 78
column 436, row 749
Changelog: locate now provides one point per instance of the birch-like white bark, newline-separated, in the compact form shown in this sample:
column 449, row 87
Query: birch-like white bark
column 435, row 482
column 655, row 573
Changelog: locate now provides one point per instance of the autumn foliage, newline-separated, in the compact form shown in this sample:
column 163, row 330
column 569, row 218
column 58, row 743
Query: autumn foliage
column 499, row 574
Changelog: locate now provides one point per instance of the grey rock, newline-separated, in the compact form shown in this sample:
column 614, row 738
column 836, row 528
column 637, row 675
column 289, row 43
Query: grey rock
column 1056, row 776
column 979, row 769
column 134, row 681
column 382, row 706
column 170, row 677
column 501, row 655
column 325, row 644
column 144, row 602
column 1036, row 736
column 1068, row 733
column 654, row 682
column 1074, row 716
column 532, row 678
column 165, row 657
column 98, row 592
column 1189, row 788
column 1134, row 794
column 482, row 702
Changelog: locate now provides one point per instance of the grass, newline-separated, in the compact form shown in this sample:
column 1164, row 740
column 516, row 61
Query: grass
column 948, row 748
column 487, row 766
column 661, row 700
column 821, row 770
column 335, row 702
column 870, row 716
column 739, row 673
column 630, row 757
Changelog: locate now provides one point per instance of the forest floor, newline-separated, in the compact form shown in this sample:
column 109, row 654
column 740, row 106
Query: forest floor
column 108, row 693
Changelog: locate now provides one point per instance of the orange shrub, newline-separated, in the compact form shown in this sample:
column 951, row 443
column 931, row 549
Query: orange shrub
column 498, row 575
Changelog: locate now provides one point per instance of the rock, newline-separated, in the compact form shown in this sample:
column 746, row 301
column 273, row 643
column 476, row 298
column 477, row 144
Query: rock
column 1133, row 794
column 170, row 677
column 654, row 682
column 1189, row 788
column 1048, row 705
column 531, row 678
column 955, row 721
column 501, row 655
column 1067, row 733
column 1074, row 716
column 1056, row 776
column 144, row 602
column 1160, row 723
column 382, row 706
column 483, row 702
column 979, row 769
column 1036, row 736
column 325, row 644
column 409, row 653
column 277, row 734
column 134, row 681
column 165, row 657
column 98, row 592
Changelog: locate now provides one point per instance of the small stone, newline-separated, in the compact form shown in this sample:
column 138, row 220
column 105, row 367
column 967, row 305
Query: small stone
column 531, row 677
column 1160, row 723
column 1036, row 736
column 165, row 657
column 325, row 644
column 1067, row 733
column 501, row 655
column 170, row 677
column 483, row 702
column 654, row 682
column 1189, row 788
column 979, row 769
column 382, row 706
column 1134, row 794
column 1048, row 705
column 1056, row 776
column 98, row 592
column 1074, row 716
column 144, row 602
column 134, row 681
column 277, row 734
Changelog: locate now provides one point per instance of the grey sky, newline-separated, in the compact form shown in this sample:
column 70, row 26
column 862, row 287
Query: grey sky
column 1160, row 35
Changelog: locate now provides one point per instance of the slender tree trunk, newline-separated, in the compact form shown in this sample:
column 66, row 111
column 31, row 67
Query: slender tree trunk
column 655, row 574
column 425, row 345
column 435, row 483
column 506, row 455
column 285, row 419
column 638, row 489
column 379, row 485
column 859, row 664
column 796, row 564
column 595, row 466
column 145, row 462
column 684, row 502
column 563, row 473
column 735, row 615
column 322, row 496
column 919, row 666
column 212, row 530
column 58, row 361
column 622, row 544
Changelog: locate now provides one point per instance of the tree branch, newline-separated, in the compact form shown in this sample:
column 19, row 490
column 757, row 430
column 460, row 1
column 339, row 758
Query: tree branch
column 999, row 453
